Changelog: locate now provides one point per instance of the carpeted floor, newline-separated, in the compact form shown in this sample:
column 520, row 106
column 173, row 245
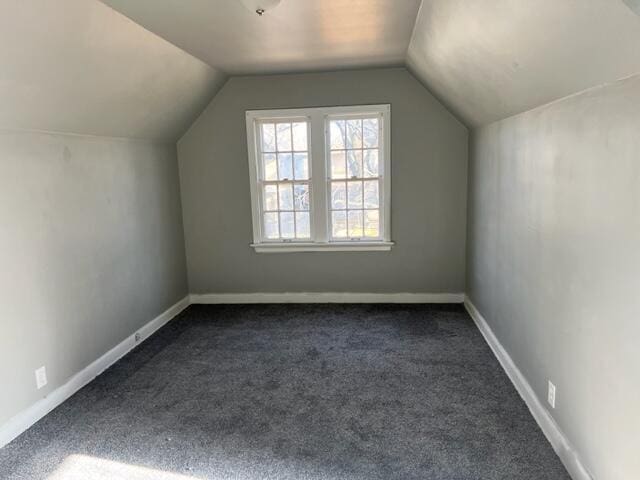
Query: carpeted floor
column 295, row 392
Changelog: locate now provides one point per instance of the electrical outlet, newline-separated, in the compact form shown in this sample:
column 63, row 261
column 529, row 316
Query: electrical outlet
column 41, row 377
column 137, row 337
column 551, row 395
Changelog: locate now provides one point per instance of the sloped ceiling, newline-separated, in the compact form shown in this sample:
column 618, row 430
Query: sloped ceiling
column 78, row 66
column 297, row 35
column 489, row 59
column 485, row 59
column 633, row 5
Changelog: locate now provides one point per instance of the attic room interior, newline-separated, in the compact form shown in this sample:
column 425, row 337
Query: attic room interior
column 320, row 239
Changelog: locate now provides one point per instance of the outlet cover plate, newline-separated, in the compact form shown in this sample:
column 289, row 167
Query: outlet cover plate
column 551, row 395
column 41, row 377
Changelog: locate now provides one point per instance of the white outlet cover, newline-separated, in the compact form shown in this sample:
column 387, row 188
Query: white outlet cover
column 41, row 377
column 551, row 396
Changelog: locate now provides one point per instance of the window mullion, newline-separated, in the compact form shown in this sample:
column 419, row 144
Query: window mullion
column 384, row 145
column 319, row 178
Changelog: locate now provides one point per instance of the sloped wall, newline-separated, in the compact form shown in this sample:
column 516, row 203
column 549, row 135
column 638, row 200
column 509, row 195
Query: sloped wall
column 79, row 66
column 488, row 60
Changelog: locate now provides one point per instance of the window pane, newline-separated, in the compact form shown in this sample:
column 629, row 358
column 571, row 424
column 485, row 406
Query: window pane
column 271, row 225
column 339, row 224
column 338, row 168
column 354, row 163
column 286, row 196
column 268, row 137
column 301, row 166
column 371, row 163
column 301, row 196
column 371, row 198
column 371, row 223
column 370, row 132
column 354, row 194
column 283, row 131
column 338, row 195
column 336, row 134
column 355, row 223
column 285, row 169
column 354, row 133
column 300, row 136
column 287, row 229
column 270, row 168
column 303, row 229
column 270, row 197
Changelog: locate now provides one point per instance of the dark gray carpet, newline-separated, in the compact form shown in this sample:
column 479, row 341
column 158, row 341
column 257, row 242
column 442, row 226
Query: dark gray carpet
column 296, row 392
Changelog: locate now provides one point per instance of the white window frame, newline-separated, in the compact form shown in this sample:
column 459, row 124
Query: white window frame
column 319, row 182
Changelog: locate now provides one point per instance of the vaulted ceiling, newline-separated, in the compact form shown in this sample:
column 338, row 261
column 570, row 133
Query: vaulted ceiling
column 77, row 66
column 490, row 59
column 297, row 35
column 484, row 59
column 87, row 68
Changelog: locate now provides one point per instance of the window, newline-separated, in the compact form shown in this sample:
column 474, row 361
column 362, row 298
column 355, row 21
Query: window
column 320, row 178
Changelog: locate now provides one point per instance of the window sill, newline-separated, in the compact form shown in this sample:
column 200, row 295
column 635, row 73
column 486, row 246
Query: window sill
column 322, row 247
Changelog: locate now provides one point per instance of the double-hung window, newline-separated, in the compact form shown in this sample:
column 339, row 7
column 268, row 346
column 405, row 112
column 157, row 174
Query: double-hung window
column 320, row 178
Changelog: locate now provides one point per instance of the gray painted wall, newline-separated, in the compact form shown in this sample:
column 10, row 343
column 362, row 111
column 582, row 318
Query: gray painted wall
column 554, row 261
column 91, row 249
column 429, row 171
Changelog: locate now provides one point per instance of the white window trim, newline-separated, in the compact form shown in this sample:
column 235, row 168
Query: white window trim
column 320, row 238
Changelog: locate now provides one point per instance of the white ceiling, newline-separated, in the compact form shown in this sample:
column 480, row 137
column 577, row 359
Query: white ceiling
column 489, row 59
column 78, row 66
column 485, row 59
column 88, row 69
column 297, row 35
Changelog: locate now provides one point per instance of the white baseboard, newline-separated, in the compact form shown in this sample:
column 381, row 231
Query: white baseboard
column 25, row 419
column 549, row 427
column 326, row 297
